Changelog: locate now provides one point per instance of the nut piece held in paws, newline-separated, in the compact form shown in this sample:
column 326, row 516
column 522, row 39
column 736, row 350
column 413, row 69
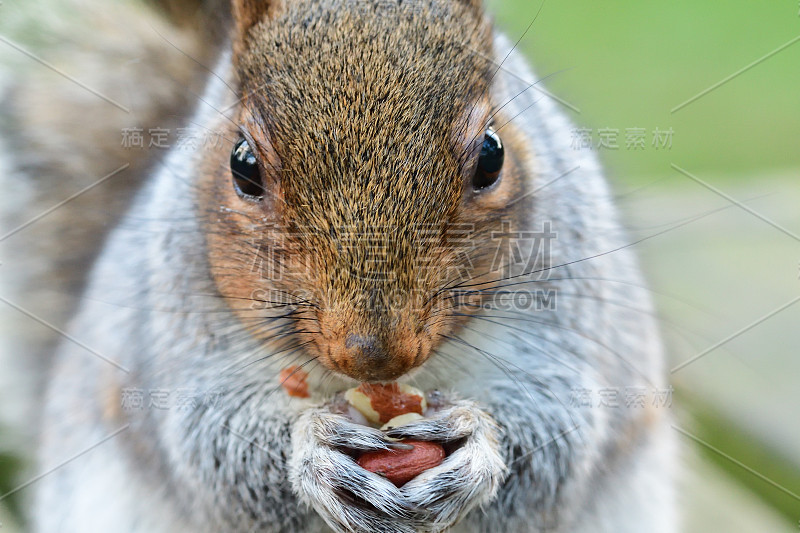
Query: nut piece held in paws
column 401, row 466
column 380, row 403
column 401, row 420
column 293, row 380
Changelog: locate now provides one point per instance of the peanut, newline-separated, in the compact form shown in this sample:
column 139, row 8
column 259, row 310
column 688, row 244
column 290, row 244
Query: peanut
column 401, row 466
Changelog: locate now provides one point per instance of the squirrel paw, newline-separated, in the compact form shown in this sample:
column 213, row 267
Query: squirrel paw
column 325, row 475
column 471, row 474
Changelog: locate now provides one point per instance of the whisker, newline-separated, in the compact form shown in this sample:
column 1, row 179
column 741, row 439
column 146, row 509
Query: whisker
column 619, row 356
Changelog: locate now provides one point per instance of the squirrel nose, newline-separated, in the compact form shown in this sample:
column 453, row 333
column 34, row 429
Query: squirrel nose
column 368, row 345
column 368, row 354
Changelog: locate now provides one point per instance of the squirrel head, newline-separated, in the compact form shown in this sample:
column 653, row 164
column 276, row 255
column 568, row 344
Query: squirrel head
column 364, row 177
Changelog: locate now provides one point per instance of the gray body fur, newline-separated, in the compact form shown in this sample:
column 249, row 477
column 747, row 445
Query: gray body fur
column 255, row 460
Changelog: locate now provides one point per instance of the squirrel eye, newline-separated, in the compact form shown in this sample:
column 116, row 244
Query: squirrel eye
column 245, row 172
column 490, row 162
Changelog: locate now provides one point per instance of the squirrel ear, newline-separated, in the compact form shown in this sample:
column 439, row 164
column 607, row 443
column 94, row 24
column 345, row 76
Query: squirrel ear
column 248, row 13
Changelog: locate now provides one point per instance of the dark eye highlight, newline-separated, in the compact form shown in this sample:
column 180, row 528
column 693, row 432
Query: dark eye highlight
column 245, row 172
column 490, row 161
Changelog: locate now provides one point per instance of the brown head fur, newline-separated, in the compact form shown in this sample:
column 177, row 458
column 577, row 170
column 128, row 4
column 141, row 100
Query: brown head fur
column 367, row 118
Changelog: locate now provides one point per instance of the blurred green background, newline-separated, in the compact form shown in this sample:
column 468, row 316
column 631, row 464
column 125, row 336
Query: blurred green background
column 631, row 63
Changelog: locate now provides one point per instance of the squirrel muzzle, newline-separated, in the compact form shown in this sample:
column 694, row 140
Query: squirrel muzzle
column 377, row 353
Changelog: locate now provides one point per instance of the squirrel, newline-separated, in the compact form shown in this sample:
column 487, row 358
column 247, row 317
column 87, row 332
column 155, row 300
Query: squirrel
column 393, row 200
